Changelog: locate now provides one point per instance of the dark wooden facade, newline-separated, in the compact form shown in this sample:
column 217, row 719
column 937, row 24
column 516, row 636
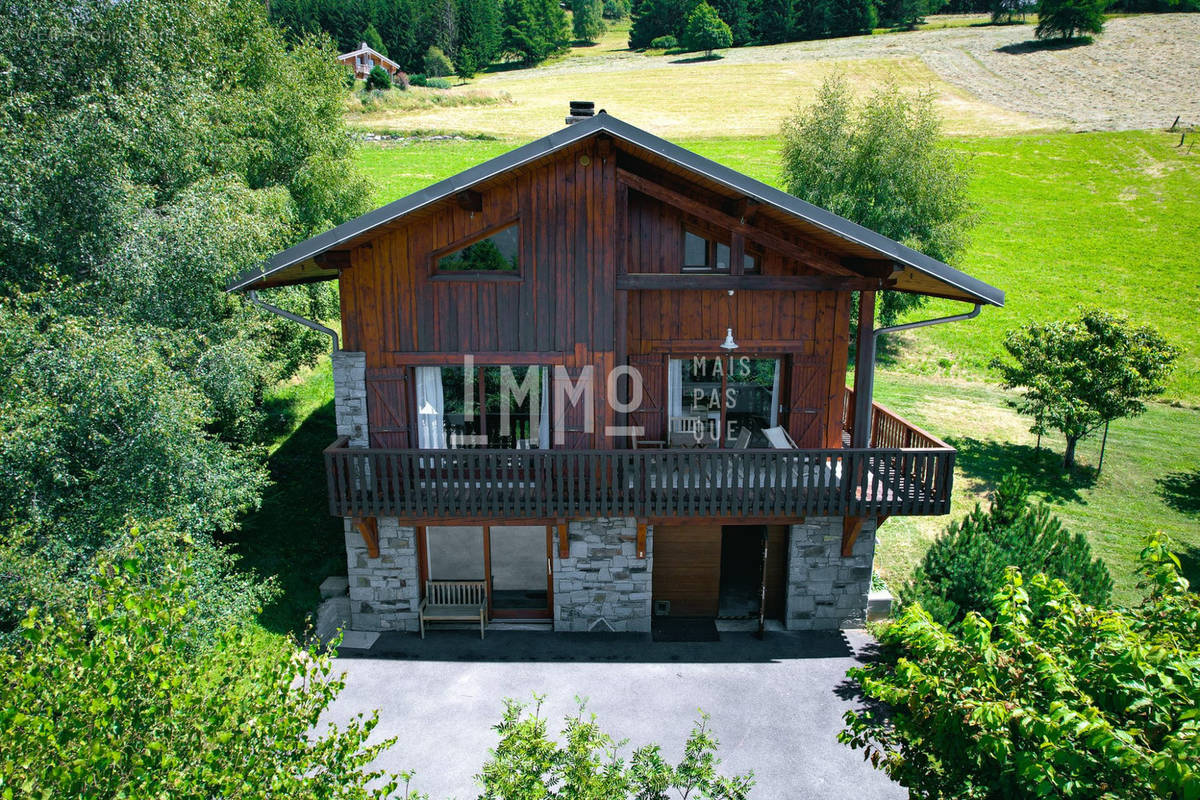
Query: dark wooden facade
column 592, row 219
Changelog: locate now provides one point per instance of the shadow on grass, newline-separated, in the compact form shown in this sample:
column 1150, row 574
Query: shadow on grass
column 1189, row 565
column 697, row 59
column 985, row 462
column 1038, row 46
column 292, row 537
column 1181, row 491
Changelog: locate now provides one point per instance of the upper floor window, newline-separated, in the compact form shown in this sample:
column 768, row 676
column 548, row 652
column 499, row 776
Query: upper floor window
column 498, row 253
column 701, row 254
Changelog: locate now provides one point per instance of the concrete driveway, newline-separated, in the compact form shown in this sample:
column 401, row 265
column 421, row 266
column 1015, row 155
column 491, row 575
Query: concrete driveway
column 776, row 705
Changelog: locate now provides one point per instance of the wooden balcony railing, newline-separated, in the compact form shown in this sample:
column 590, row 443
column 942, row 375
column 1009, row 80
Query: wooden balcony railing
column 481, row 484
column 889, row 430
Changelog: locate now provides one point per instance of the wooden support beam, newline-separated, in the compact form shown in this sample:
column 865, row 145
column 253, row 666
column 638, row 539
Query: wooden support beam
column 604, row 145
column 670, row 281
column 851, row 528
column 811, row 255
column 744, row 209
column 469, row 200
column 333, row 259
column 641, row 540
column 368, row 528
column 564, row 542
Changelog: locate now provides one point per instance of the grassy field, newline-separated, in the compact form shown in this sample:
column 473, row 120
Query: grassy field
column 762, row 93
column 1150, row 480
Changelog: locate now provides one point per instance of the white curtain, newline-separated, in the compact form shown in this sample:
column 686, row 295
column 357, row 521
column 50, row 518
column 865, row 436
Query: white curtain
column 775, row 397
column 675, row 388
column 431, row 419
column 543, row 434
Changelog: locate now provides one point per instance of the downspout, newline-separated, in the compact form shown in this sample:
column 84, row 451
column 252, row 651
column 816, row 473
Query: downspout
column 308, row 323
column 864, row 396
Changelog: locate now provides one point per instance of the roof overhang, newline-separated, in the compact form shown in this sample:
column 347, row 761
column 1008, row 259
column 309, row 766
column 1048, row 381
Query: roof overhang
column 317, row 258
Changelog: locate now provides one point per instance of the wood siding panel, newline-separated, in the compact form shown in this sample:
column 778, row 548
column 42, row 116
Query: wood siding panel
column 687, row 568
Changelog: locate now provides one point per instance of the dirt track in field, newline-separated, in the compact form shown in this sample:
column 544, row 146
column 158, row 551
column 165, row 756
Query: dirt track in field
column 1142, row 72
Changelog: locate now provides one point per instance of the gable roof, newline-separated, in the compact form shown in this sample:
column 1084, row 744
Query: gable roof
column 918, row 272
column 363, row 48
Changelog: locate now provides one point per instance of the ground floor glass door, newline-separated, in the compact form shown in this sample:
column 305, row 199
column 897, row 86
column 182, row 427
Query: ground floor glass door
column 513, row 560
column 520, row 571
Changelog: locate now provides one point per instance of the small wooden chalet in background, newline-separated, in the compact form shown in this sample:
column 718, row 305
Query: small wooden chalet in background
column 364, row 59
column 744, row 480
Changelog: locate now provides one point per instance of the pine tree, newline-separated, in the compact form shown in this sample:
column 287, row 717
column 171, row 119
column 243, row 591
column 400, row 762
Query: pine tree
column 1067, row 19
column 478, row 32
column 374, row 40
column 964, row 568
column 775, row 21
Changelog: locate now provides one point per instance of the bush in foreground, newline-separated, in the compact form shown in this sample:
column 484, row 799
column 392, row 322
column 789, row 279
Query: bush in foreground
column 527, row 764
column 1057, row 698
column 964, row 568
column 121, row 699
column 664, row 43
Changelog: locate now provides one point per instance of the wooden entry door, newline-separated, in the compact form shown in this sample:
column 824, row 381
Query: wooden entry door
column 688, row 566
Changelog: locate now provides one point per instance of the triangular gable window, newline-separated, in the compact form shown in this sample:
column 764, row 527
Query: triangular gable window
column 496, row 253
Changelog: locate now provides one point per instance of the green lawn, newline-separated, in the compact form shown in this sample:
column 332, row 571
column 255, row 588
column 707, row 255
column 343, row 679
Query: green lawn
column 1150, row 480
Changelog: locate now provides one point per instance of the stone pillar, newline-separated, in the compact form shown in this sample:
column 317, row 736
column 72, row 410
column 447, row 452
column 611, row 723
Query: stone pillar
column 350, row 396
column 603, row 585
column 824, row 590
column 383, row 591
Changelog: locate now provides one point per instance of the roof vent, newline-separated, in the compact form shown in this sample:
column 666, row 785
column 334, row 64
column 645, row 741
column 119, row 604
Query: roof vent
column 581, row 110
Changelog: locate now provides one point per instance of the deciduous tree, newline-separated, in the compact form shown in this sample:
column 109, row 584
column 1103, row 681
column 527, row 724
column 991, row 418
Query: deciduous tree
column 880, row 163
column 1067, row 19
column 1055, row 698
column 706, row 31
column 1077, row 375
column 587, row 20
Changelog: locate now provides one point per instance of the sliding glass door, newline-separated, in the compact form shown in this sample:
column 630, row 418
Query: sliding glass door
column 496, row 407
column 513, row 560
column 722, row 401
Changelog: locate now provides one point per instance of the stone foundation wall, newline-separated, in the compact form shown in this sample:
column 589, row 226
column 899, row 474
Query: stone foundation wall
column 824, row 590
column 350, row 396
column 384, row 591
column 603, row 585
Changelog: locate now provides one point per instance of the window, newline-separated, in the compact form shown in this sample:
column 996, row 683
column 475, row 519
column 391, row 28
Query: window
column 494, row 407
column 715, row 399
column 701, row 254
column 499, row 253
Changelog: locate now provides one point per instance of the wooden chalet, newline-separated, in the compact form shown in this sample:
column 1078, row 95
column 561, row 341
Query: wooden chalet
column 743, row 480
column 363, row 59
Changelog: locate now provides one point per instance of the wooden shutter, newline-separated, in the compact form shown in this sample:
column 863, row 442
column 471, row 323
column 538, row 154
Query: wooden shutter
column 652, row 414
column 806, row 399
column 388, row 407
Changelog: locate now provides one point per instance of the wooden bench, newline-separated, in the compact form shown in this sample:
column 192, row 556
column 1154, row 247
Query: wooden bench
column 454, row 601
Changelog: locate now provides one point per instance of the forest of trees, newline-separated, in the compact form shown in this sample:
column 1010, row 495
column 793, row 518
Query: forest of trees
column 476, row 33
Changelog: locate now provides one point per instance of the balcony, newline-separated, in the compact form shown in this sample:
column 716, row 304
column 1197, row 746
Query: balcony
column 905, row 472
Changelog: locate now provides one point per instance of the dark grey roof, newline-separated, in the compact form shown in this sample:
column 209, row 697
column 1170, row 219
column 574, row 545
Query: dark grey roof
column 742, row 184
